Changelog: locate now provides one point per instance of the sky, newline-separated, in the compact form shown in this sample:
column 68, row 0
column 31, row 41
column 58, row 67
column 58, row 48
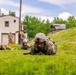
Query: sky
column 44, row 9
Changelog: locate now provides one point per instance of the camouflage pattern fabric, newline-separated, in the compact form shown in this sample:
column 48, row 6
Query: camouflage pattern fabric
column 49, row 45
column 24, row 45
column 10, row 37
column 49, row 49
column 4, row 47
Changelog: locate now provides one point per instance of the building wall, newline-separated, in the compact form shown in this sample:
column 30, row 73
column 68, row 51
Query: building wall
column 16, row 38
column 13, row 27
column 0, row 37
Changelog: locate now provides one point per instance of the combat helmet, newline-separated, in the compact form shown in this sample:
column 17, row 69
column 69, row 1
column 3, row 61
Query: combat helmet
column 40, row 37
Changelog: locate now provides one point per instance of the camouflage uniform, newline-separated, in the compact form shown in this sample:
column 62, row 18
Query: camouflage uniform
column 24, row 41
column 4, row 47
column 23, row 37
column 49, row 46
column 10, row 36
column 24, row 45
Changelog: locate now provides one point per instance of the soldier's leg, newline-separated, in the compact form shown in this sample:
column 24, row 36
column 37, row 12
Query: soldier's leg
column 3, row 47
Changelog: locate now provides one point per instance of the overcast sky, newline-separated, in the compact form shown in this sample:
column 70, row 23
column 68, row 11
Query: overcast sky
column 41, row 8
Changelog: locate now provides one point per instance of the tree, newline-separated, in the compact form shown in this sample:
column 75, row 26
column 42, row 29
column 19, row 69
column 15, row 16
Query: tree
column 71, row 22
column 58, row 21
column 34, row 25
column 12, row 13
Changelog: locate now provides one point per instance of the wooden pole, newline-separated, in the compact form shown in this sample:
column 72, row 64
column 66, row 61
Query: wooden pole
column 20, row 20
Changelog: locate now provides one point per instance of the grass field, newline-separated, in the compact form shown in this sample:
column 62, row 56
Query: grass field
column 13, row 62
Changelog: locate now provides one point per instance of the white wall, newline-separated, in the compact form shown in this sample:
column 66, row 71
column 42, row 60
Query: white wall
column 16, row 38
column 0, row 30
column 13, row 26
column 0, row 37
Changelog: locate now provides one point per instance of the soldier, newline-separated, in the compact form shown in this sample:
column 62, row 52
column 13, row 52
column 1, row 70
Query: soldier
column 4, row 47
column 42, row 45
column 23, row 36
column 24, row 44
column 10, row 37
column 24, row 40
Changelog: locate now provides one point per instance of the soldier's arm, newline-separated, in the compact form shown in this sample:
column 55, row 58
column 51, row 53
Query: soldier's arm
column 52, row 49
column 32, row 50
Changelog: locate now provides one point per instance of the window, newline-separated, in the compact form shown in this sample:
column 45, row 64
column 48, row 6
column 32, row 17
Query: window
column 14, row 21
column 6, row 23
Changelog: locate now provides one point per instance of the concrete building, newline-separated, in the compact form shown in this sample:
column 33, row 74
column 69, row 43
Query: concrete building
column 8, row 24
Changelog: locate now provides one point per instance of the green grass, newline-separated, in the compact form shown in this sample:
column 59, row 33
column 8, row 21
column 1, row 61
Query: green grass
column 13, row 62
column 66, row 39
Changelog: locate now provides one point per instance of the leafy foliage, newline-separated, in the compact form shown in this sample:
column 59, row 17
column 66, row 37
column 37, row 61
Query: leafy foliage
column 58, row 21
column 12, row 13
column 33, row 25
column 71, row 22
